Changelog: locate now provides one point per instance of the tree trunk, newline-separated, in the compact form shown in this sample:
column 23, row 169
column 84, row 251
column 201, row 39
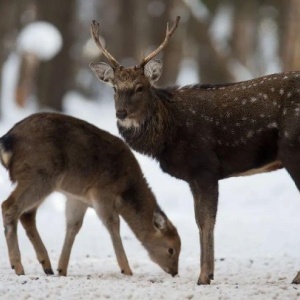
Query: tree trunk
column 10, row 24
column 291, row 37
column 55, row 76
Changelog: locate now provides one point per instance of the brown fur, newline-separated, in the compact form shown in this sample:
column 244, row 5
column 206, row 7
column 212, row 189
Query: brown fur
column 52, row 152
column 204, row 133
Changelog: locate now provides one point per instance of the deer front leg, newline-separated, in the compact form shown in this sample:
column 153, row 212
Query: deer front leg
column 28, row 221
column 75, row 211
column 111, row 220
column 113, row 227
column 205, row 204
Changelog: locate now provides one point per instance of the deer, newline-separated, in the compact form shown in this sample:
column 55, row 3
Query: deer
column 48, row 152
column 203, row 133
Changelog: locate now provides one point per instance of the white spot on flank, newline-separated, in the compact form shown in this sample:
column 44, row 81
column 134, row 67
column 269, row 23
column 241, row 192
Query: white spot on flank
column 262, row 115
column 272, row 125
column 286, row 134
column 285, row 77
column 284, row 111
column 265, row 96
column 274, row 103
column 272, row 89
column 253, row 99
column 289, row 94
column 250, row 134
column 281, row 92
column 244, row 101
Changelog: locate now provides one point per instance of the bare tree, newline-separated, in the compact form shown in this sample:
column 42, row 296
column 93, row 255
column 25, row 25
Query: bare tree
column 13, row 10
column 291, row 37
column 55, row 77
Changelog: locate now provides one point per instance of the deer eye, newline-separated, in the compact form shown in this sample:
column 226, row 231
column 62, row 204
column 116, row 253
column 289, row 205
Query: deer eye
column 171, row 251
column 139, row 89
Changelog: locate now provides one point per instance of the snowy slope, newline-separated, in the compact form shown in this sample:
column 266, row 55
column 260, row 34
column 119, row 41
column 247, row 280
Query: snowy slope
column 257, row 239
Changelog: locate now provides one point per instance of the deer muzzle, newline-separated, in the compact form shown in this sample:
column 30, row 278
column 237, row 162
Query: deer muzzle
column 121, row 114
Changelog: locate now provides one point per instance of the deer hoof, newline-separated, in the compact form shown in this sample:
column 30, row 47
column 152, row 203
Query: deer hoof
column 203, row 280
column 297, row 279
column 49, row 271
column 128, row 273
column 61, row 272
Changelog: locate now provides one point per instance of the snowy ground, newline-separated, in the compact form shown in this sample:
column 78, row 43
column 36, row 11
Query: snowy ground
column 257, row 240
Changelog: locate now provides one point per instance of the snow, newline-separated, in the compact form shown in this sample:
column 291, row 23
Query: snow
column 41, row 38
column 256, row 237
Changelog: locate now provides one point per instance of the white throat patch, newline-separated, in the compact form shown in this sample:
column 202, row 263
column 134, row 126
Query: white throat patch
column 128, row 123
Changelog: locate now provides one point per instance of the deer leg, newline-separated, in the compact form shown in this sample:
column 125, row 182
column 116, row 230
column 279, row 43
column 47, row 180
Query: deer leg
column 205, row 204
column 75, row 211
column 25, row 197
column 28, row 221
column 111, row 220
column 290, row 157
column 10, row 222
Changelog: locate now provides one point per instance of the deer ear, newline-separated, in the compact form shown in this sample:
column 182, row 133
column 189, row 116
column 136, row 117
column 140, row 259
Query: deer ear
column 153, row 69
column 160, row 221
column 103, row 72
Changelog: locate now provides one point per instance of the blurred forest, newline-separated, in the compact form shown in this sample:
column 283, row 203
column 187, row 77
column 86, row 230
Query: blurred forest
column 222, row 40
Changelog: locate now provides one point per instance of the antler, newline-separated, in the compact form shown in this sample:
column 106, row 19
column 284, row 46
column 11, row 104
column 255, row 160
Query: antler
column 95, row 35
column 169, row 33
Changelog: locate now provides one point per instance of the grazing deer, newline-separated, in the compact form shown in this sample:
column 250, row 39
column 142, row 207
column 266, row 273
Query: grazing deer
column 49, row 152
column 204, row 133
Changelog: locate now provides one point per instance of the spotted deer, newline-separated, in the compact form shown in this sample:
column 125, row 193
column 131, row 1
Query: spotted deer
column 203, row 133
column 49, row 152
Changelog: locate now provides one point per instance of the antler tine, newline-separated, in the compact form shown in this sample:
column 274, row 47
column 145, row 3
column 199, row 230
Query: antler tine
column 169, row 33
column 95, row 35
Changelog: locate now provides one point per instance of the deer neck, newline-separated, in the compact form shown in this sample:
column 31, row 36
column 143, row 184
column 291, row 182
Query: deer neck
column 150, row 137
column 138, row 213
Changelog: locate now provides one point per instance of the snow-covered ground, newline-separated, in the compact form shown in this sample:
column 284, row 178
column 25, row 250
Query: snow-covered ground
column 257, row 239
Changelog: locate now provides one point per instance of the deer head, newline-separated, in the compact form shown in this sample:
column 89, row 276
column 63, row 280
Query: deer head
column 164, row 245
column 132, row 85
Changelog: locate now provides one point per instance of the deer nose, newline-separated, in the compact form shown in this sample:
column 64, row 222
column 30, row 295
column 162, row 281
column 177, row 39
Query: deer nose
column 121, row 114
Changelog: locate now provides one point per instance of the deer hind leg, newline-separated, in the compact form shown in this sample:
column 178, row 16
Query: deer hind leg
column 26, row 196
column 205, row 203
column 111, row 220
column 290, row 156
column 28, row 221
column 75, row 211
